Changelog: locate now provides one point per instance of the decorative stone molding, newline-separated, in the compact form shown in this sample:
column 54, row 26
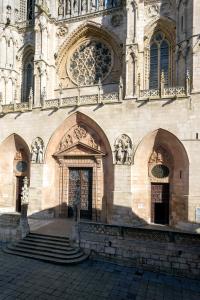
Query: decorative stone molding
column 78, row 134
column 37, row 151
column 85, row 32
column 62, row 30
column 123, row 153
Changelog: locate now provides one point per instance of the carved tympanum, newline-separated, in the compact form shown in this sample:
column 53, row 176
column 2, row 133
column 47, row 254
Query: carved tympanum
column 78, row 133
column 123, row 152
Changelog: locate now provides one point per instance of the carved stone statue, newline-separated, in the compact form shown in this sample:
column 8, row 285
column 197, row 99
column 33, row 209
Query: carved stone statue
column 25, row 191
column 123, row 152
column 37, row 151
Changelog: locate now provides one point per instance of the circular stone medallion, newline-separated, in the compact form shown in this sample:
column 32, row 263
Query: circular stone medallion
column 160, row 171
column 21, row 166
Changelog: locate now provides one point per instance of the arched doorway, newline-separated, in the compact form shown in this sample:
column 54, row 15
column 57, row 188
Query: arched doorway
column 80, row 159
column 14, row 166
column 161, row 175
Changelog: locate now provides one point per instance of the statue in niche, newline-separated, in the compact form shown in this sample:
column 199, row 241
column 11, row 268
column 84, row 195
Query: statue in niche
column 123, row 150
column 61, row 8
column 37, row 151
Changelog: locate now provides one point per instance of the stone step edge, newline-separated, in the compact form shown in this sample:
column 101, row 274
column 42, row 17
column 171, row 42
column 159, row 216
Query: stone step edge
column 46, row 241
column 47, row 236
column 46, row 254
column 31, row 243
column 54, row 261
column 36, row 247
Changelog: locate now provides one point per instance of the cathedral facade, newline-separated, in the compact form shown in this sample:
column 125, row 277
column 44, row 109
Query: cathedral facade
column 100, row 102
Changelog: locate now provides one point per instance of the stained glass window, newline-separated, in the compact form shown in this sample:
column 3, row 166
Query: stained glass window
column 90, row 62
column 159, row 60
column 27, row 82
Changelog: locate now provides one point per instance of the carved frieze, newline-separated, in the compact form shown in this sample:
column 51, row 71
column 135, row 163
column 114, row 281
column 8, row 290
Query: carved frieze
column 123, row 150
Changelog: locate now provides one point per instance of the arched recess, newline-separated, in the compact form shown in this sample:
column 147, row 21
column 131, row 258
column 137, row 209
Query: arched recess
column 14, row 165
column 89, row 32
column 174, row 157
column 79, row 143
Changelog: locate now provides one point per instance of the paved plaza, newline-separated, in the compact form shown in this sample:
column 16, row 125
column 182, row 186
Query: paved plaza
column 22, row 278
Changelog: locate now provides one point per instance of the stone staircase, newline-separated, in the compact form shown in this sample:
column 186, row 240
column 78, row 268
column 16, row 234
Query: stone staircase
column 47, row 248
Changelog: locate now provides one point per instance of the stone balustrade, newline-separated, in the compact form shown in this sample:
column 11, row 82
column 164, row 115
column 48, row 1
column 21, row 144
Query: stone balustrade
column 80, row 100
column 168, row 92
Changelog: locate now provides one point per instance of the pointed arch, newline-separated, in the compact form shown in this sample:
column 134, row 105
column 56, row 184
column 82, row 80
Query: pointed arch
column 99, row 159
column 179, row 178
column 89, row 31
column 14, row 165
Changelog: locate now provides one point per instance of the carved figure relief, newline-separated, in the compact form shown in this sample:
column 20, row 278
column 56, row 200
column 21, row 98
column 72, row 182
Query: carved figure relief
column 20, row 154
column 123, row 152
column 37, row 151
column 62, row 30
column 78, row 133
column 160, row 156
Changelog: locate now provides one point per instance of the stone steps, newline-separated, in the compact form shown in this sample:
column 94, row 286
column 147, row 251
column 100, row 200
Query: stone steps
column 47, row 248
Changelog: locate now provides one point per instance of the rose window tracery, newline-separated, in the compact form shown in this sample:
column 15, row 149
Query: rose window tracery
column 90, row 62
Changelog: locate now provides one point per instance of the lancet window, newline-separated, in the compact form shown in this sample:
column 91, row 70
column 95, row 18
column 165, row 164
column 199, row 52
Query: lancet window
column 27, row 80
column 160, row 60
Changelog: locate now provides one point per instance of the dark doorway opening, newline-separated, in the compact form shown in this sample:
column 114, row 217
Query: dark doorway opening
column 19, row 185
column 160, row 203
column 80, row 187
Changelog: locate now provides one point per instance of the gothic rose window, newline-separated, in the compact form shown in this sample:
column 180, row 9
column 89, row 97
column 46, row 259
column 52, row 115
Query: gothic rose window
column 159, row 60
column 90, row 62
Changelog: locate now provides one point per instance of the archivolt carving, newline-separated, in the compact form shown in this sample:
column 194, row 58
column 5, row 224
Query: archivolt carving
column 78, row 133
column 123, row 152
column 88, row 31
column 163, row 24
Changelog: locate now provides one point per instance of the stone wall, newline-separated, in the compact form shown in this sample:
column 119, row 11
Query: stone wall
column 9, row 226
column 172, row 252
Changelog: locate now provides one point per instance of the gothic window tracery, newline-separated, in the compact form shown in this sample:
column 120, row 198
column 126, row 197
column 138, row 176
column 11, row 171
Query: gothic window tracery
column 27, row 79
column 159, row 60
column 90, row 63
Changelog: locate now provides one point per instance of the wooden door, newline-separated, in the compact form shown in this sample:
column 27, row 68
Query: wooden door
column 80, row 186
column 19, row 185
column 160, row 203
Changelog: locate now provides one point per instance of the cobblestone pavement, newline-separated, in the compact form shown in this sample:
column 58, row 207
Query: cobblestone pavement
column 22, row 278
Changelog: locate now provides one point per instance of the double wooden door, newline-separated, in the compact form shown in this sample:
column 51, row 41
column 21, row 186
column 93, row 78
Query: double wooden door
column 80, row 189
column 160, row 203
